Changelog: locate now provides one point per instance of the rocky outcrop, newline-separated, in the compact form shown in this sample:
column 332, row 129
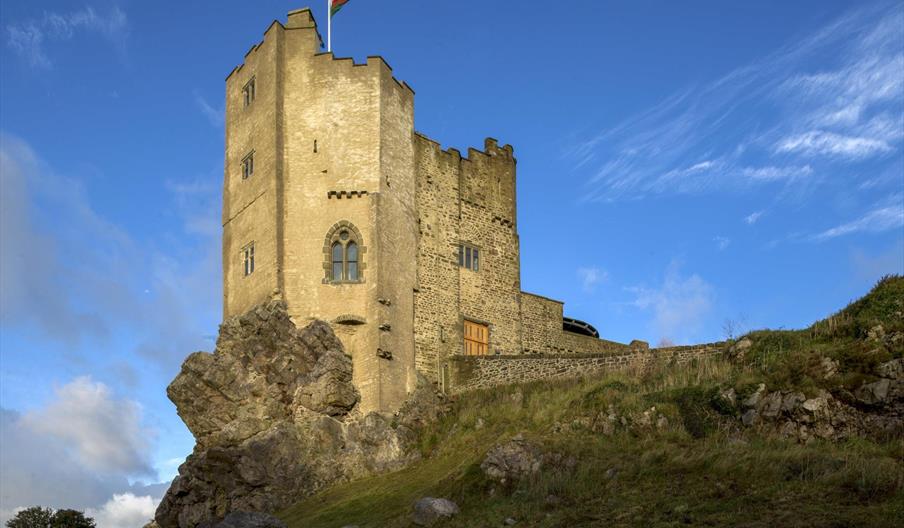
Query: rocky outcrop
column 274, row 413
column 875, row 409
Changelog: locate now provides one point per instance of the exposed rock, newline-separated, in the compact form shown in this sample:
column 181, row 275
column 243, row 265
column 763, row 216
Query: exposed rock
column 770, row 405
column 829, row 367
column 750, row 417
column 893, row 369
column 509, row 521
column 243, row 519
column 873, row 393
column 738, row 350
column 728, row 397
column 429, row 510
column 512, row 460
column 754, row 398
column 273, row 411
column 876, row 333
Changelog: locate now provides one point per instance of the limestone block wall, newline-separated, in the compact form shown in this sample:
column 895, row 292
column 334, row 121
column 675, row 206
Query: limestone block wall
column 479, row 372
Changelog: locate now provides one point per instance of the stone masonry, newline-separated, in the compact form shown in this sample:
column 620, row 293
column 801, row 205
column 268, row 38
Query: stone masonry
column 322, row 151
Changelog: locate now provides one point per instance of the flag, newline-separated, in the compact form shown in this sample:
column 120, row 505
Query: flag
column 336, row 5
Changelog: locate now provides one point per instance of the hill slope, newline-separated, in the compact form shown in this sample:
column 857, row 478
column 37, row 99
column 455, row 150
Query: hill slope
column 692, row 445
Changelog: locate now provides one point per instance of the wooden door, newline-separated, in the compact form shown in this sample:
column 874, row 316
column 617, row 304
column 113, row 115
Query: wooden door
column 477, row 338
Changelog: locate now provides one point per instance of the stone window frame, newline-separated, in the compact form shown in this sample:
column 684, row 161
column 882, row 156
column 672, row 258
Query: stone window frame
column 248, row 259
column 248, row 92
column 332, row 236
column 475, row 262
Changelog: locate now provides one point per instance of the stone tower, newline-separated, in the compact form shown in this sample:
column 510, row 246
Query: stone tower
column 320, row 166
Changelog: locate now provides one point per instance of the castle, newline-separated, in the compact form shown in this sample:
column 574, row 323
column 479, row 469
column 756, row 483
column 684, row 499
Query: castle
column 334, row 204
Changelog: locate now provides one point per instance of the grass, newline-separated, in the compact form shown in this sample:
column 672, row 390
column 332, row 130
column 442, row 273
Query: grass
column 699, row 469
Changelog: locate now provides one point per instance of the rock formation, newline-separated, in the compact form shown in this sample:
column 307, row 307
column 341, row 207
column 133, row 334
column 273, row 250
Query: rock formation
column 273, row 411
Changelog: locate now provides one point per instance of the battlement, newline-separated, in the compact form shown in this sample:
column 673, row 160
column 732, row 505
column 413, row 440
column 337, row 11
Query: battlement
column 491, row 149
column 303, row 19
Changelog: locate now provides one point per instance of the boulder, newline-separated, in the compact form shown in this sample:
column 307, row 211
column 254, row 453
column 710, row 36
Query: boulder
column 873, row 393
column 275, row 418
column 511, row 461
column 429, row 510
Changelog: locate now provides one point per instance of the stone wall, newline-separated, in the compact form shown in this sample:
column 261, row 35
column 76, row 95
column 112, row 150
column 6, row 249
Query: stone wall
column 465, row 200
column 479, row 372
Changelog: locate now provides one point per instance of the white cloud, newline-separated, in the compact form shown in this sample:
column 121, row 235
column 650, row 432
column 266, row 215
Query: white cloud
column 124, row 511
column 884, row 217
column 721, row 242
column 38, row 467
column 679, row 305
column 753, row 217
column 819, row 142
column 28, row 38
column 591, row 276
column 104, row 434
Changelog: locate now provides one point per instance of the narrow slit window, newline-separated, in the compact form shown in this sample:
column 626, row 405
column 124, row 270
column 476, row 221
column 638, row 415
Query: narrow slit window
column 248, row 166
column 248, row 92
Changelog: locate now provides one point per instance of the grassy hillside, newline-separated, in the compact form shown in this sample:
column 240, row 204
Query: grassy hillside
column 676, row 455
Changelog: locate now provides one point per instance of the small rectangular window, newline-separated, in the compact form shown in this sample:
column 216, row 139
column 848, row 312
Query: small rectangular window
column 248, row 166
column 468, row 257
column 248, row 259
column 248, row 92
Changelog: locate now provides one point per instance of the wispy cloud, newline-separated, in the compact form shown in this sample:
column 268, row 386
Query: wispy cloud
column 773, row 122
column 591, row 276
column 216, row 116
column 886, row 216
column 722, row 242
column 28, row 38
column 753, row 217
column 820, row 142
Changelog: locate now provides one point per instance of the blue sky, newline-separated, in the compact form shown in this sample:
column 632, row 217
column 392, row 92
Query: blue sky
column 680, row 164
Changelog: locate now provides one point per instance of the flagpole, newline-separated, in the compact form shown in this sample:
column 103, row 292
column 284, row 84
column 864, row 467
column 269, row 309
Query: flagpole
column 329, row 27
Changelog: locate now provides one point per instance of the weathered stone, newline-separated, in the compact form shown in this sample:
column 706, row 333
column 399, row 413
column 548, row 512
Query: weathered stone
column 814, row 405
column 512, row 460
column 754, row 399
column 893, row 369
column 791, row 401
column 429, row 510
column 829, row 367
column 873, row 393
column 770, row 405
column 273, row 411
column 876, row 333
column 750, row 417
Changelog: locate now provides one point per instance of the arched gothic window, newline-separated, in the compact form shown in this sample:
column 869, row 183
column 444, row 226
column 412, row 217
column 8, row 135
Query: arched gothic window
column 343, row 250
